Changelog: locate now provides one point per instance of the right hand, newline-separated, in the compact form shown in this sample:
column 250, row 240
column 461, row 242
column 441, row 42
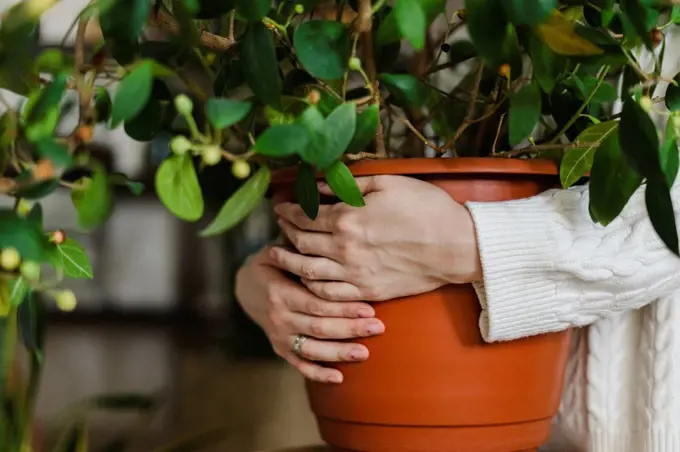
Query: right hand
column 285, row 308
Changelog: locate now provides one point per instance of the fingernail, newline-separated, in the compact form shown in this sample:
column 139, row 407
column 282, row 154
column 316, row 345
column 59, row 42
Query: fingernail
column 366, row 312
column 375, row 328
column 335, row 378
column 358, row 353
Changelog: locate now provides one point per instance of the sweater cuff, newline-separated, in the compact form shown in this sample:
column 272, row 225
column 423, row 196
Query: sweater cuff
column 516, row 246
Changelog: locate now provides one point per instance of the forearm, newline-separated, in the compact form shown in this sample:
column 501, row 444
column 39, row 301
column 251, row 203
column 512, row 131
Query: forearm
column 547, row 266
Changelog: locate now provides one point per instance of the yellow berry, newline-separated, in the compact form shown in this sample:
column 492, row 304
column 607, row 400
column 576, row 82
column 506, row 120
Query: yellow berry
column 504, row 70
column 212, row 155
column 24, row 207
column 30, row 270
column 354, row 63
column 240, row 169
column 646, row 103
column 66, row 300
column 184, row 105
column 299, row 9
column 10, row 259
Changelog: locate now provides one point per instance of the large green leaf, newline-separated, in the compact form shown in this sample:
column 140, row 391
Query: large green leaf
column 366, row 129
column 525, row 112
column 559, row 34
column 32, row 318
column 93, row 200
column 224, row 113
column 339, row 129
column 388, row 32
column 282, row 140
column 46, row 100
column 178, row 188
column 323, row 48
column 253, row 10
column 577, row 162
column 406, row 89
column 146, row 124
column 133, row 93
column 639, row 141
column 461, row 51
column 669, row 154
column 313, row 121
column 240, row 204
column 660, row 209
column 307, row 190
column 547, row 66
column 412, row 22
column 529, row 12
column 675, row 15
column 121, row 25
column 18, row 290
column 24, row 235
column 343, row 184
column 487, row 25
column 673, row 95
column 260, row 66
column 612, row 181
column 72, row 259
column 641, row 17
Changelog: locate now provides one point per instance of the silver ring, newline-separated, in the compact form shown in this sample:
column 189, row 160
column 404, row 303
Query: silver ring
column 298, row 342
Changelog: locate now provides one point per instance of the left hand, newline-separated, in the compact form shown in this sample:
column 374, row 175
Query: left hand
column 410, row 238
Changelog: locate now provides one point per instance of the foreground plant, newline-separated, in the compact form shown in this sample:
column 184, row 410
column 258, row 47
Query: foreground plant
column 314, row 84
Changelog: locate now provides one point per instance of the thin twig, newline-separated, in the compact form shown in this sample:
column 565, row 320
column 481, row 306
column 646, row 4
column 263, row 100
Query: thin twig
column 167, row 22
column 541, row 147
column 420, row 136
column 470, row 110
column 498, row 134
column 361, row 156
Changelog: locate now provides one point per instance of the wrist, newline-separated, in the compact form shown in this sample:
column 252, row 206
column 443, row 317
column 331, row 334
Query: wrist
column 463, row 264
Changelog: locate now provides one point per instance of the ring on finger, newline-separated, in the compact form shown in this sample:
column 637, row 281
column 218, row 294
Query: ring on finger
column 298, row 342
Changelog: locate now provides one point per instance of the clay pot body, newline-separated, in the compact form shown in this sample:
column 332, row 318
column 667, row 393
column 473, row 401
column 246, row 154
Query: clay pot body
column 432, row 384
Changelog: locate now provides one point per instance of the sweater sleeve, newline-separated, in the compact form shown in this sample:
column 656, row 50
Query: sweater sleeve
column 547, row 266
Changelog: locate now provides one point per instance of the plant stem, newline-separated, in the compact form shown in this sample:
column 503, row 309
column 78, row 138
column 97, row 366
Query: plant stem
column 379, row 4
column 541, row 147
column 211, row 41
column 420, row 136
column 470, row 110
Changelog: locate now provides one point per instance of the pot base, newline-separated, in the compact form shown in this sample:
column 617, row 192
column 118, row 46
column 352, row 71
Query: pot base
column 355, row 437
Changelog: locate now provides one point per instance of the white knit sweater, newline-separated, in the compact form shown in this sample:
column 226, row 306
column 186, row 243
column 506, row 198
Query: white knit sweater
column 547, row 267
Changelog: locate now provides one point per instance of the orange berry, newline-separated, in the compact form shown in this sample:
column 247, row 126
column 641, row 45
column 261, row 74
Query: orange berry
column 504, row 70
column 84, row 133
column 314, row 97
column 43, row 170
column 6, row 185
column 656, row 36
column 58, row 237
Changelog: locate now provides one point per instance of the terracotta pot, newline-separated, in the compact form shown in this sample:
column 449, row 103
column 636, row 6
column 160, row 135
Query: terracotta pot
column 431, row 383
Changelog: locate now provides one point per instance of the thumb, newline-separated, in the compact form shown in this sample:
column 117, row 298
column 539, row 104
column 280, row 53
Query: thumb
column 367, row 184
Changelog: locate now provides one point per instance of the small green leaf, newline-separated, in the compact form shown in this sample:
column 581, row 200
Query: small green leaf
column 669, row 154
column 675, row 15
column 56, row 152
column 178, row 188
column 462, row 51
column 388, row 32
column 145, row 125
column 282, row 140
column 639, row 141
column 260, row 65
column 525, row 112
column 577, row 162
column 32, row 318
column 47, row 100
column 223, row 113
column 343, row 184
column 313, row 121
column 612, row 181
column 673, row 94
column 307, row 190
column 529, row 12
column 487, row 25
column 412, row 22
column 546, row 65
column 24, row 235
column 323, row 48
column 660, row 209
column 93, row 200
column 18, row 290
column 339, row 129
column 253, row 10
column 133, row 94
column 559, row 34
column 407, row 89
column 72, row 258
column 240, row 204
column 135, row 187
column 102, row 105
column 126, row 18
column 366, row 129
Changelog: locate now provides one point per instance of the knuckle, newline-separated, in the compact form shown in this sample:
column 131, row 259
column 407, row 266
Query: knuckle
column 355, row 329
column 346, row 224
column 308, row 271
column 318, row 328
column 276, row 319
column 313, row 307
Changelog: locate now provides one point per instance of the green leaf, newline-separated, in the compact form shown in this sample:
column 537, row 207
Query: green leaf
column 178, row 188
column 529, row 12
column 388, row 32
column 56, row 152
column 93, row 201
column 135, row 187
column 32, row 318
column 323, row 48
column 240, row 204
column 18, row 290
column 343, row 184
column 133, row 94
column 282, row 140
column 641, row 18
column 313, row 121
column 24, row 235
column 260, row 66
column 559, row 34
column 639, row 141
column 577, row 162
column 253, row 10
column 612, row 181
column 339, row 129
column 145, row 125
column 48, row 99
column 102, row 105
column 675, row 15
column 366, row 129
column 126, row 18
column 5, row 308
column 487, row 25
column 525, row 112
column 223, row 113
column 406, row 89
column 462, row 51
column 547, row 66
column 669, row 153
column 72, row 258
column 673, row 95
column 412, row 22
column 39, row 190
column 660, row 209
column 307, row 190
column 210, row 9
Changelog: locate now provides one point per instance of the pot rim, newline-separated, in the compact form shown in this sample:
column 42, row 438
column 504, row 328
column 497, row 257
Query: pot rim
column 435, row 166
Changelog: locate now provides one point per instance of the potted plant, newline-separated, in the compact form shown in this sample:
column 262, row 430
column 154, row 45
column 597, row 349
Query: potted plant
column 287, row 92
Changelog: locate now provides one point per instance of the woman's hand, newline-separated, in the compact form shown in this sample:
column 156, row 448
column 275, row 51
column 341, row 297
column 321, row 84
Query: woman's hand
column 285, row 308
column 410, row 238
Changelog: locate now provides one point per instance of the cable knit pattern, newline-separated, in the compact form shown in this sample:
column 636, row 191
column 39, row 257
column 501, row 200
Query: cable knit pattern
column 548, row 267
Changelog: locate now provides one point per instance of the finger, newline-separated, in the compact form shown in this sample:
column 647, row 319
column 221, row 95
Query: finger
column 306, row 242
column 339, row 352
column 314, row 372
column 335, row 328
column 334, row 291
column 304, row 302
column 311, row 268
column 294, row 214
column 366, row 185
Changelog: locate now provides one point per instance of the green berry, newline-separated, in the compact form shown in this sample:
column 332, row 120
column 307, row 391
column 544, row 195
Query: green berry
column 30, row 270
column 354, row 63
column 24, row 207
column 240, row 169
column 299, row 9
column 10, row 259
column 212, row 155
column 184, row 105
column 66, row 300
column 180, row 145
column 646, row 103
